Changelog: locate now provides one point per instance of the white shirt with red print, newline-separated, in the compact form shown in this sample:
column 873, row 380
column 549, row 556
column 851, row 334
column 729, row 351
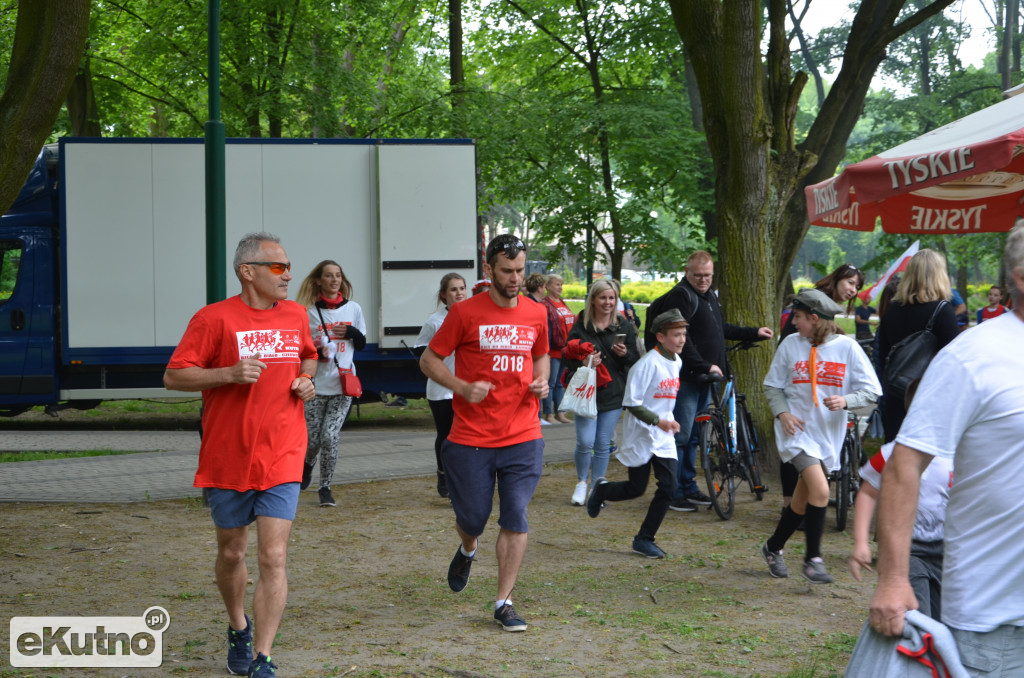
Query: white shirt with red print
column 934, row 495
column 652, row 382
column 843, row 368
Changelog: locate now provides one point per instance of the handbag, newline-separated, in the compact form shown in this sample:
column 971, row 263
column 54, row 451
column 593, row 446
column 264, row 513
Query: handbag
column 350, row 384
column 909, row 358
column 581, row 393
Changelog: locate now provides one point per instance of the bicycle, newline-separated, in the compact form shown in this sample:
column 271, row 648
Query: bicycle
column 844, row 483
column 728, row 442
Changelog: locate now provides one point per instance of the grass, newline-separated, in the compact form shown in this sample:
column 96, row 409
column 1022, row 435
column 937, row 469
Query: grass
column 53, row 454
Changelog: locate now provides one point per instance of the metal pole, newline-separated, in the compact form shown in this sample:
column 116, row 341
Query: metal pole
column 216, row 250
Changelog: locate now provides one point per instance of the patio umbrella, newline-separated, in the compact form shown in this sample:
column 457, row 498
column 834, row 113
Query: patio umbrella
column 965, row 177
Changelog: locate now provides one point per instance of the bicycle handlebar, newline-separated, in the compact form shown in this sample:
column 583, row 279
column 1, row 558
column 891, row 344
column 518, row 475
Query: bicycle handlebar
column 744, row 345
column 710, row 378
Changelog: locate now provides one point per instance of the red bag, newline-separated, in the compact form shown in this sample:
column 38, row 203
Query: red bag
column 350, row 384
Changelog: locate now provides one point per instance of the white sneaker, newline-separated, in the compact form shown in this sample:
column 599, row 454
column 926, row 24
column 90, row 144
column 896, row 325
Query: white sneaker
column 579, row 495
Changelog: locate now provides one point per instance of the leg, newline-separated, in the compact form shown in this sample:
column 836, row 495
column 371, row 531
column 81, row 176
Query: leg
column 555, row 388
column 334, row 418
column 443, row 414
column 665, row 475
column 315, row 410
column 272, row 587
column 604, row 430
column 510, row 549
column 788, row 476
column 518, row 469
column 586, row 431
column 230, row 572
column 629, row 489
column 689, row 401
column 812, row 492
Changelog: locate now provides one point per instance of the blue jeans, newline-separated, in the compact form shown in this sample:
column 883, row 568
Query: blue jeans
column 691, row 399
column 555, row 388
column 596, row 435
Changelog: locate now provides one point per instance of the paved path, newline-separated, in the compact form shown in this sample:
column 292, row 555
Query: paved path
column 167, row 471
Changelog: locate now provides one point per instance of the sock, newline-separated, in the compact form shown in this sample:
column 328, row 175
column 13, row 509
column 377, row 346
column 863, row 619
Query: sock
column 468, row 554
column 815, row 528
column 788, row 523
column 498, row 604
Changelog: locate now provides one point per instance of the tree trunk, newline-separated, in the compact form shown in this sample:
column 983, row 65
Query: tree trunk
column 457, row 77
column 49, row 41
column 81, row 104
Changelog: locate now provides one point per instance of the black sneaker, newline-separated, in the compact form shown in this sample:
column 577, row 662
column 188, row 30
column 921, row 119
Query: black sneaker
column 442, row 484
column 647, row 548
column 699, row 498
column 509, row 619
column 596, row 500
column 458, row 571
column 326, row 498
column 240, row 649
column 262, row 667
column 684, row 505
column 307, row 475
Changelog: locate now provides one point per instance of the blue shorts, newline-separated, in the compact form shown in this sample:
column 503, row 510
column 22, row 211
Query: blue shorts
column 231, row 508
column 472, row 473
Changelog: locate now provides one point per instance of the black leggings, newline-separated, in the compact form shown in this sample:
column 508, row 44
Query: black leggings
column 443, row 414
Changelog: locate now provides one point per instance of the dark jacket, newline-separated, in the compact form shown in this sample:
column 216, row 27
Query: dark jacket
column 609, row 396
column 706, row 333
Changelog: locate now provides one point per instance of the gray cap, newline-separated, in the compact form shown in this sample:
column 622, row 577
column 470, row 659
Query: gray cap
column 668, row 320
column 817, row 302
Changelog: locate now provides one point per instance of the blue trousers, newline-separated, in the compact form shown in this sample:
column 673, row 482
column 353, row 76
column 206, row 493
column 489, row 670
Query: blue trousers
column 691, row 399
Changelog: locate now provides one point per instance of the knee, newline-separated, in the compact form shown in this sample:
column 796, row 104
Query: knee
column 273, row 557
column 231, row 554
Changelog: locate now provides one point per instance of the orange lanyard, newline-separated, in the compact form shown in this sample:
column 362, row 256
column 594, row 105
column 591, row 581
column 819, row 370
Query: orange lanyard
column 813, row 366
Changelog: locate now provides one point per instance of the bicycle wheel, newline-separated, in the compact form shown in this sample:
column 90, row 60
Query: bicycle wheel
column 714, row 457
column 844, row 492
column 747, row 440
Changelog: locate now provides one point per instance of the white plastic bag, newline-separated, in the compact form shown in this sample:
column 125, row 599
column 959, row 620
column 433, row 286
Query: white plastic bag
column 581, row 394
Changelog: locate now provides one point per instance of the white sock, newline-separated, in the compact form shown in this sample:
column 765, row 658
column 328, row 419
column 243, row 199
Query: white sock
column 468, row 554
column 498, row 604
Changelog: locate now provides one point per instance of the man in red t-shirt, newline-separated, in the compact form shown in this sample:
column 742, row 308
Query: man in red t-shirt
column 501, row 359
column 252, row 356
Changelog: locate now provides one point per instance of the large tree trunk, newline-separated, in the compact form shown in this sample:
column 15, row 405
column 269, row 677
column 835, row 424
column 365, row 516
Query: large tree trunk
column 49, row 41
column 81, row 103
column 749, row 103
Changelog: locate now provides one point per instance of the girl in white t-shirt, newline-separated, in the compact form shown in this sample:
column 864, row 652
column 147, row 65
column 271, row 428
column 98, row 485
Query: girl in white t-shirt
column 816, row 375
column 452, row 291
column 339, row 330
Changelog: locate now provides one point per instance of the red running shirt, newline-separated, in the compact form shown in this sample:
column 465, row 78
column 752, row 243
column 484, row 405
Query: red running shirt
column 254, row 435
column 497, row 345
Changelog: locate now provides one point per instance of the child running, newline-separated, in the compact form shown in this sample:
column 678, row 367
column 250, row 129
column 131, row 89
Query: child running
column 815, row 376
column 929, row 523
column 648, row 435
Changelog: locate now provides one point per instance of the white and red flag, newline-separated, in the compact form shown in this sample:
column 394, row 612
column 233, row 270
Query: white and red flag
column 897, row 266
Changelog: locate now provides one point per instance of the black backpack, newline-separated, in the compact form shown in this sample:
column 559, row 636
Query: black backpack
column 909, row 358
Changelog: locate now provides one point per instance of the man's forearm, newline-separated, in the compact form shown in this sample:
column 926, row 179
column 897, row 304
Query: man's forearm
column 196, row 378
column 542, row 367
column 432, row 365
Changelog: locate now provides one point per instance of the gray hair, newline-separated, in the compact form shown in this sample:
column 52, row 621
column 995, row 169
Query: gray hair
column 1015, row 258
column 1015, row 248
column 249, row 247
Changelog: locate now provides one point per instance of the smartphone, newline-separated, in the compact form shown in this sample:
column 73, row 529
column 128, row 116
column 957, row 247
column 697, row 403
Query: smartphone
column 620, row 338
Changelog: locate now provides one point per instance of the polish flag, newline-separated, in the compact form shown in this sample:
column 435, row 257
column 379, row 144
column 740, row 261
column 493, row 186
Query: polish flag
column 897, row 266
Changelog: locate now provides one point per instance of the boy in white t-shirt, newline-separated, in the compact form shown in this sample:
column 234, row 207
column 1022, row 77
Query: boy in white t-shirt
column 649, row 434
column 926, row 545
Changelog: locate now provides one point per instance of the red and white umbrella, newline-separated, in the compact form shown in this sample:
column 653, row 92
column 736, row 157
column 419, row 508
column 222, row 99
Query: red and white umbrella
column 965, row 177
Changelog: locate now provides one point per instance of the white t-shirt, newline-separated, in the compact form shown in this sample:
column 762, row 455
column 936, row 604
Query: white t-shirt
column 327, row 380
column 653, row 382
column 934, row 495
column 970, row 407
column 434, row 390
column 842, row 368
